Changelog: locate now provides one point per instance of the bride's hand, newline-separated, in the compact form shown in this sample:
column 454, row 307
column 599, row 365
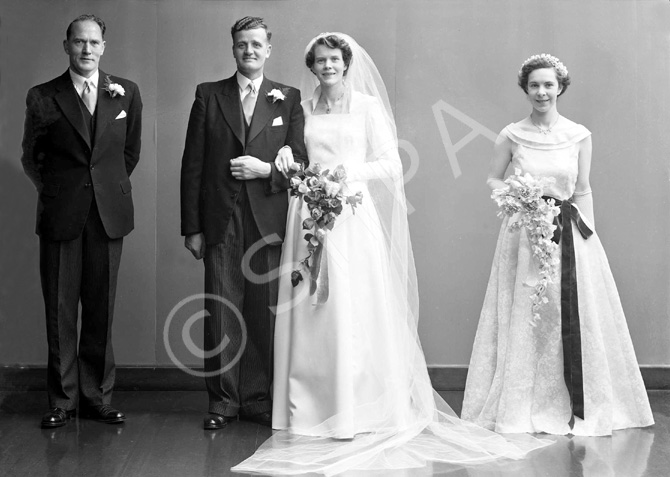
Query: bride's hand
column 284, row 160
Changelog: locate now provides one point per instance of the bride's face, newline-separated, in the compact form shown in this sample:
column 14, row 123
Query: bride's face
column 328, row 65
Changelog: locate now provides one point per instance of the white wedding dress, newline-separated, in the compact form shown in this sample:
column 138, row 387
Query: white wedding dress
column 336, row 370
column 351, row 387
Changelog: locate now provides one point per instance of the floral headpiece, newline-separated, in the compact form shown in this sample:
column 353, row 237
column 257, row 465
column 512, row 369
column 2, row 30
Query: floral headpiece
column 555, row 62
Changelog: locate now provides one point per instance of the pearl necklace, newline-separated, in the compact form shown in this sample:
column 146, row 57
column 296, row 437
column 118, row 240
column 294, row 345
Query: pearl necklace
column 542, row 130
column 328, row 106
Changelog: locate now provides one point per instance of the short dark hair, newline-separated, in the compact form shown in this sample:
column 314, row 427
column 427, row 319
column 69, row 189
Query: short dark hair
column 334, row 42
column 250, row 23
column 538, row 62
column 84, row 18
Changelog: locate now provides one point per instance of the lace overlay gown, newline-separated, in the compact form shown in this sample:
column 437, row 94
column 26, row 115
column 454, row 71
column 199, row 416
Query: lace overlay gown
column 515, row 381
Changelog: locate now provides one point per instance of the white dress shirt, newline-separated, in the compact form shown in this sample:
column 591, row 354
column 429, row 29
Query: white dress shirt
column 78, row 82
column 243, row 83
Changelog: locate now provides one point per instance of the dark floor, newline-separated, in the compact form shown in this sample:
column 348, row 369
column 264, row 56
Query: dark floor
column 163, row 437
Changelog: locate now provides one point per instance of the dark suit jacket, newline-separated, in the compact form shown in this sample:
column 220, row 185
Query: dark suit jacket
column 216, row 134
column 69, row 168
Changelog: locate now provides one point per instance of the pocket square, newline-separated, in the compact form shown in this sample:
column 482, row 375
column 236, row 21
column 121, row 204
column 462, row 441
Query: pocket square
column 121, row 115
column 277, row 121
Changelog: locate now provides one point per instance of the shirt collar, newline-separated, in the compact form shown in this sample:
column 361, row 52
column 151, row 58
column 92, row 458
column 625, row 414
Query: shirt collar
column 243, row 82
column 79, row 80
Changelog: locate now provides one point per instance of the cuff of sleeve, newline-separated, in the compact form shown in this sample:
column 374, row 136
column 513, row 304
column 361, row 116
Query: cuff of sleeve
column 276, row 182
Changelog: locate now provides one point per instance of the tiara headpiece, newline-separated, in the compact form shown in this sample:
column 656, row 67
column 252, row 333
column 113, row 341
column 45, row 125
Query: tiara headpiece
column 555, row 62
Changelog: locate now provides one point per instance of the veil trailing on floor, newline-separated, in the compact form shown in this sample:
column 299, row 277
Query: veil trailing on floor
column 416, row 426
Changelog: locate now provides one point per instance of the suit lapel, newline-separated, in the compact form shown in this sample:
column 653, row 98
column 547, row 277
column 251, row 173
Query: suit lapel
column 263, row 111
column 106, row 108
column 229, row 103
column 67, row 100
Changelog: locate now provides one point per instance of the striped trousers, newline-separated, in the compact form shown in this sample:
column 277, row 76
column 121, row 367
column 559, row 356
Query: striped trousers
column 234, row 271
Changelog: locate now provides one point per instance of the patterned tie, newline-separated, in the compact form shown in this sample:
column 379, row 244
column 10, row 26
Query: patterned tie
column 88, row 96
column 249, row 102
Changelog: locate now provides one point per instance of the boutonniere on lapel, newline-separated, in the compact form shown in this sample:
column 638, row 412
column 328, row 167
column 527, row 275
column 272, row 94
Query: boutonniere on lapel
column 276, row 95
column 113, row 89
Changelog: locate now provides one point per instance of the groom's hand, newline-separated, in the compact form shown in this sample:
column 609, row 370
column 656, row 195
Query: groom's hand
column 245, row 168
column 196, row 244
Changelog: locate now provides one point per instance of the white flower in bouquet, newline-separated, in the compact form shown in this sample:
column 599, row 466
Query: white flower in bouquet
column 523, row 196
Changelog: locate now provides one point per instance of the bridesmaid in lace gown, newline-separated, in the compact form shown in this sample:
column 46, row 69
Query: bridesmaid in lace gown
column 351, row 387
column 575, row 372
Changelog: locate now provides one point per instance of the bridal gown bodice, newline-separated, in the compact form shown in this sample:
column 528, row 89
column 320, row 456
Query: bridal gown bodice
column 333, row 139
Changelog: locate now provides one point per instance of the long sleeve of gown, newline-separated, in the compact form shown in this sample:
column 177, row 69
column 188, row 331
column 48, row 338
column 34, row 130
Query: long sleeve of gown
column 382, row 161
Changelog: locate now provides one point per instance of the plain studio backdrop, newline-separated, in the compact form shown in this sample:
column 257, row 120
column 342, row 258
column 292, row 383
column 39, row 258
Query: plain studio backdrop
column 450, row 68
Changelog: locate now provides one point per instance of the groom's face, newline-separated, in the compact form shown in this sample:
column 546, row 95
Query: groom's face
column 250, row 49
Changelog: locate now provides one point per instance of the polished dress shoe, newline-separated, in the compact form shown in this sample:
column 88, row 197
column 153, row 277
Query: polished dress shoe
column 57, row 417
column 105, row 413
column 262, row 418
column 216, row 421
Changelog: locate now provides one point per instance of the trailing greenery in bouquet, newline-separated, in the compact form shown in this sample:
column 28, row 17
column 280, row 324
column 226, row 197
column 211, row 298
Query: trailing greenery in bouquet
column 523, row 196
column 323, row 193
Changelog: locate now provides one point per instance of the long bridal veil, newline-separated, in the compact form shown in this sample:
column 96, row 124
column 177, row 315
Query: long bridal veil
column 413, row 426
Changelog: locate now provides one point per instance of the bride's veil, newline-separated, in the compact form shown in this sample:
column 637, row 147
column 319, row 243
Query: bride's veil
column 362, row 76
column 417, row 426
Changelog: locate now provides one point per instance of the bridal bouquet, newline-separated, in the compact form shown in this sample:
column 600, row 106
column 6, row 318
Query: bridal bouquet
column 322, row 191
column 523, row 195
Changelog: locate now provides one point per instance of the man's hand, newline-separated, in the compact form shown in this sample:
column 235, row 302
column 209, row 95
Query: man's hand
column 245, row 168
column 196, row 244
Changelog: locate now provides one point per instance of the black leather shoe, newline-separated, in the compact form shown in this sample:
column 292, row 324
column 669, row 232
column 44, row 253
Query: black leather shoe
column 262, row 418
column 105, row 413
column 57, row 417
column 216, row 421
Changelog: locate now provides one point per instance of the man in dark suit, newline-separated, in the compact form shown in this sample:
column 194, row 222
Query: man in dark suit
column 81, row 142
column 233, row 214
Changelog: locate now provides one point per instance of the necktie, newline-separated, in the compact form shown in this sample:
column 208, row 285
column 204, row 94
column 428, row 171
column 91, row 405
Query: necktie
column 88, row 96
column 249, row 102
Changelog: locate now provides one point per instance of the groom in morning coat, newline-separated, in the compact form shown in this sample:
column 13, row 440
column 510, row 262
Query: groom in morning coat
column 233, row 214
column 81, row 143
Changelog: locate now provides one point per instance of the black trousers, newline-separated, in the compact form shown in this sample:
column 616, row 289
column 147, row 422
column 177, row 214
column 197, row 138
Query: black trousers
column 239, row 270
column 80, row 371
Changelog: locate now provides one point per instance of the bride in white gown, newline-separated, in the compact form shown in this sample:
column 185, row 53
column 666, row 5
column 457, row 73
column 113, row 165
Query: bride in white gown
column 351, row 387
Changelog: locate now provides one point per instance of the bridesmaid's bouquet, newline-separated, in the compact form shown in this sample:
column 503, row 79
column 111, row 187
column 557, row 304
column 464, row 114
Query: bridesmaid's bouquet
column 523, row 196
column 323, row 192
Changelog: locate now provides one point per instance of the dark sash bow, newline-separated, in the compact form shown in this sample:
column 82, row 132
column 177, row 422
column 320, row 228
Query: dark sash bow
column 570, row 330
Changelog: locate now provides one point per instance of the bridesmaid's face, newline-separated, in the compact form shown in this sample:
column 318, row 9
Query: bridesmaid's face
column 328, row 65
column 543, row 89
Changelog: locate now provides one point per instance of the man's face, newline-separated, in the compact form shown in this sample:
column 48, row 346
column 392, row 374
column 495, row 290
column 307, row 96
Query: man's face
column 85, row 46
column 250, row 49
